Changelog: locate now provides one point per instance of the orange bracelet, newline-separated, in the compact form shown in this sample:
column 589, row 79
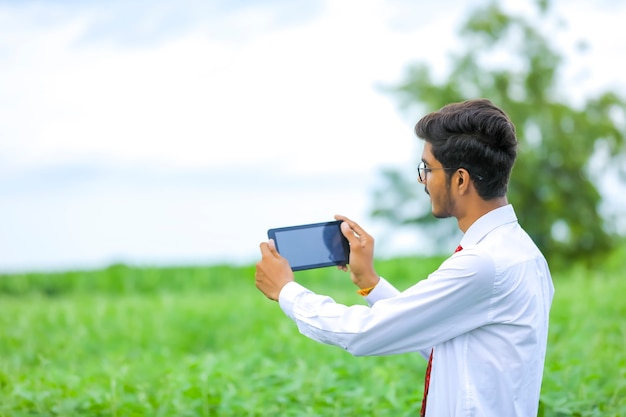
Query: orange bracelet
column 365, row 291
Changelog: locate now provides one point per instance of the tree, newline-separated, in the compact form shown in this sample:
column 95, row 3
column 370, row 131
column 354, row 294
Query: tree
column 553, row 187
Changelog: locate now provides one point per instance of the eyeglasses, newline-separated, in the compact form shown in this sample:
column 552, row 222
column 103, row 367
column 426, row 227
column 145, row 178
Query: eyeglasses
column 422, row 172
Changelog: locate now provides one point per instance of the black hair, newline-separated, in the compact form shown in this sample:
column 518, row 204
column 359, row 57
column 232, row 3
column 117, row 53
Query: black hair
column 475, row 135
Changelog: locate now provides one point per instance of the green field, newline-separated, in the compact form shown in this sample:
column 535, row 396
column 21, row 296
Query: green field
column 204, row 342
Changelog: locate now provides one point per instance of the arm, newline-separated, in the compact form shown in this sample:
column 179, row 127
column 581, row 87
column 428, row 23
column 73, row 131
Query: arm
column 453, row 300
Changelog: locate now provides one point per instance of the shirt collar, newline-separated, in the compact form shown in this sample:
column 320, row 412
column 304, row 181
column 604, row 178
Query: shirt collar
column 488, row 222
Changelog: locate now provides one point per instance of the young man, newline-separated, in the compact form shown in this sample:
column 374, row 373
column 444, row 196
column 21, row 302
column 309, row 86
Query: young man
column 481, row 318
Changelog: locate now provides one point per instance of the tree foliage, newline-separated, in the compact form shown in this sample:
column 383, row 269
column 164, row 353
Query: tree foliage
column 554, row 184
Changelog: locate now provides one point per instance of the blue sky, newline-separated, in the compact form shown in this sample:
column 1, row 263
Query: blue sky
column 179, row 132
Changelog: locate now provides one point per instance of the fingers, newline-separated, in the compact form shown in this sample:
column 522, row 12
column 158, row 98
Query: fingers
column 269, row 249
column 354, row 227
column 361, row 267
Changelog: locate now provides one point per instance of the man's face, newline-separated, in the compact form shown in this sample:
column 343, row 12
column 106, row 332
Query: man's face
column 436, row 185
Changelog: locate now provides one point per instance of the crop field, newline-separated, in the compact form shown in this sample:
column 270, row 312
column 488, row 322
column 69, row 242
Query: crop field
column 202, row 341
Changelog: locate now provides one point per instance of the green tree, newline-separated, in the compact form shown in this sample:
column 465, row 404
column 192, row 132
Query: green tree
column 507, row 59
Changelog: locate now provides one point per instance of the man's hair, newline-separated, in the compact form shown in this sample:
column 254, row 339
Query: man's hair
column 477, row 136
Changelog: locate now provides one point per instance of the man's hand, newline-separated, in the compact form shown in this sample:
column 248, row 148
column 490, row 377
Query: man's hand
column 272, row 271
column 361, row 262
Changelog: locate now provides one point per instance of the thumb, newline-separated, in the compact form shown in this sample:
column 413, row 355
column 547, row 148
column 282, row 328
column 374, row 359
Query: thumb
column 348, row 232
column 269, row 248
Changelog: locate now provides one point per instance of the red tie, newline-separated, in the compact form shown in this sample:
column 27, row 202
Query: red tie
column 430, row 363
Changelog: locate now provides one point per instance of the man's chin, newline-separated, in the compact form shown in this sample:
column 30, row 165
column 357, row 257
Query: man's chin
column 441, row 215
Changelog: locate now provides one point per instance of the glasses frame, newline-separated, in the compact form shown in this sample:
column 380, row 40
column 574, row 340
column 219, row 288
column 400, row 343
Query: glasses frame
column 422, row 171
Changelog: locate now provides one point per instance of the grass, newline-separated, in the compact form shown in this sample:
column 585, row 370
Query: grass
column 204, row 342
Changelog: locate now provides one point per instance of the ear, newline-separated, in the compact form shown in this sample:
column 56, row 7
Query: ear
column 463, row 181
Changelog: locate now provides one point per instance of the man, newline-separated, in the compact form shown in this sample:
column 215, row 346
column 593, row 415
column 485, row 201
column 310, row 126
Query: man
column 482, row 317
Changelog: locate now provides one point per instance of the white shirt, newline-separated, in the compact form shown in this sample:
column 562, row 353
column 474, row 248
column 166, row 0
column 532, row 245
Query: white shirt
column 484, row 311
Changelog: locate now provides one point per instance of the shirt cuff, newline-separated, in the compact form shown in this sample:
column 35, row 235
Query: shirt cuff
column 381, row 291
column 288, row 295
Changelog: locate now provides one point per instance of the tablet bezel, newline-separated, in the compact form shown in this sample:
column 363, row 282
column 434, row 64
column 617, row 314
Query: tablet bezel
column 271, row 233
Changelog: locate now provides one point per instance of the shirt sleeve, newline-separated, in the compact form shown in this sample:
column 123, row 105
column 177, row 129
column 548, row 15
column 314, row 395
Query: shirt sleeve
column 381, row 291
column 453, row 300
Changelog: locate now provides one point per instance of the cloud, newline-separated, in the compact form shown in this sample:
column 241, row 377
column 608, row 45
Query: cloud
column 194, row 99
column 143, row 23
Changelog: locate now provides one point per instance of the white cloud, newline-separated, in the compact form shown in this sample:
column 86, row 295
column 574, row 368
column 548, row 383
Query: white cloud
column 193, row 100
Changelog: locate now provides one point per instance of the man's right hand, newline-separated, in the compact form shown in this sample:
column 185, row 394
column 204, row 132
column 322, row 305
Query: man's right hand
column 272, row 271
column 361, row 262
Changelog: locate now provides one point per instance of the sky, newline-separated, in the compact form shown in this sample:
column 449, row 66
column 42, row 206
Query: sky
column 175, row 133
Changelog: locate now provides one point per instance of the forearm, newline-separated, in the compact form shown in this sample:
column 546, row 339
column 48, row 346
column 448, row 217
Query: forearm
column 356, row 329
column 320, row 318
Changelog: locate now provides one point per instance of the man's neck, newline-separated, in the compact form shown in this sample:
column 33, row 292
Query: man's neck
column 478, row 209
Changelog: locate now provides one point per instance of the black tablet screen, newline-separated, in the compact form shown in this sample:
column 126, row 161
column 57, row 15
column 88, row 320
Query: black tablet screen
column 311, row 246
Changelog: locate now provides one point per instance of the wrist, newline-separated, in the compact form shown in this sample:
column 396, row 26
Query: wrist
column 364, row 292
column 367, row 283
column 277, row 295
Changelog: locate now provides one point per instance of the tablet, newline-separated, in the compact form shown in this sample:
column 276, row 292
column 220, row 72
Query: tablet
column 311, row 246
